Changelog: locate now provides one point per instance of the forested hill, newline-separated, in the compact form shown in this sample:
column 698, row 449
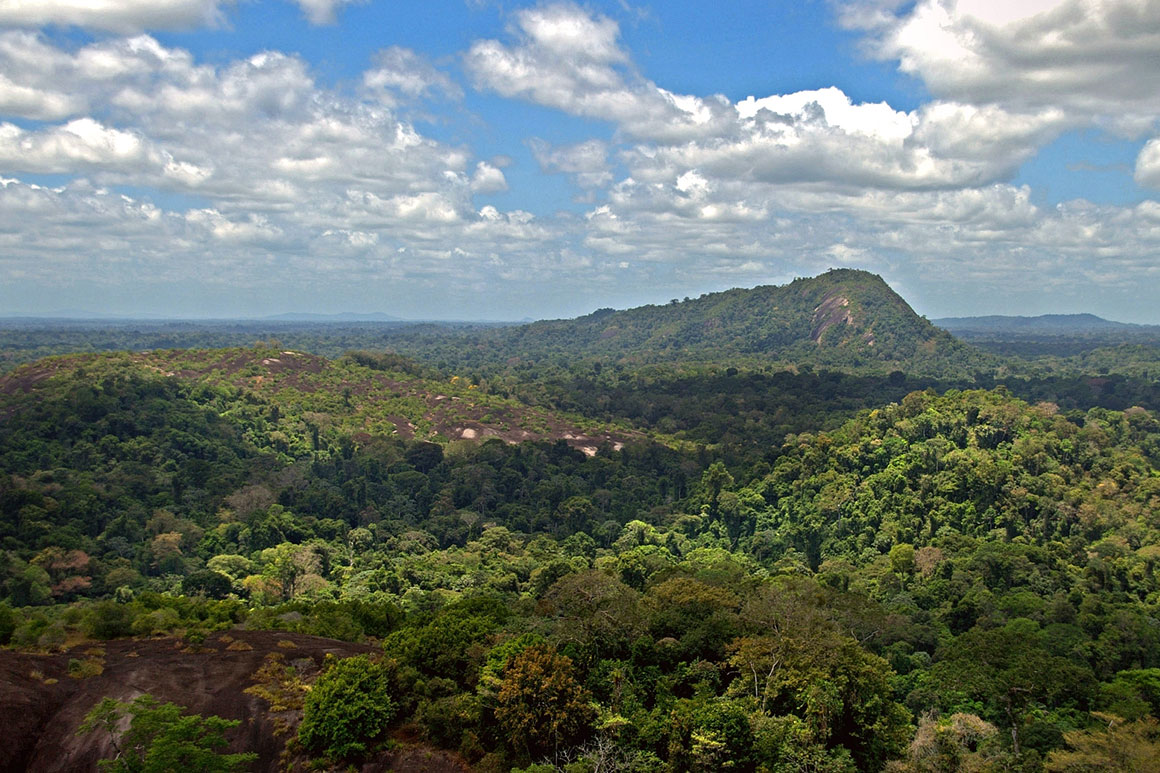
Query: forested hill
column 844, row 319
column 295, row 402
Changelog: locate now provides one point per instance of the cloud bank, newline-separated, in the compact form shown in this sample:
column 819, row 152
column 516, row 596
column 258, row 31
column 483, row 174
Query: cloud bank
column 252, row 173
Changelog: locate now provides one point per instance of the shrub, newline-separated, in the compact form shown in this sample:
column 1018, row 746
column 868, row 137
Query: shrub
column 82, row 669
column 7, row 623
column 158, row 621
column 109, row 620
column 347, row 708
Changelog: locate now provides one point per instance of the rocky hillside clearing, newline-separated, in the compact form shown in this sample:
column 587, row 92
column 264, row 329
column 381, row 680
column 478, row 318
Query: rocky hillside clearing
column 305, row 395
column 44, row 698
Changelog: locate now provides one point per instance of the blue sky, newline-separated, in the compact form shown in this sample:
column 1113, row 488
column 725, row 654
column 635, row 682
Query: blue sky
column 207, row 158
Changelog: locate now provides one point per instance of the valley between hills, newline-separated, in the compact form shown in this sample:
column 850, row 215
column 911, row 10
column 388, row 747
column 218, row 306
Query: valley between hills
column 795, row 528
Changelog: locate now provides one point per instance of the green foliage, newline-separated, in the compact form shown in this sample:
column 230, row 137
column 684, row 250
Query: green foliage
column 161, row 738
column 497, row 657
column 109, row 620
column 448, row 645
column 1010, row 676
column 710, row 735
column 449, row 720
column 1132, row 694
column 207, row 583
column 7, row 623
column 347, row 709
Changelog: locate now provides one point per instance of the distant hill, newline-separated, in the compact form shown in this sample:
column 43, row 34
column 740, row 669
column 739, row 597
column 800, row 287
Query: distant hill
column 346, row 316
column 844, row 319
column 1054, row 336
column 1045, row 324
column 24, row 340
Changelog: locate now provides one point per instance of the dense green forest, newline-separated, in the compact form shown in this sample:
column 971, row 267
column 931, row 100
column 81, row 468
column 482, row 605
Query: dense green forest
column 603, row 566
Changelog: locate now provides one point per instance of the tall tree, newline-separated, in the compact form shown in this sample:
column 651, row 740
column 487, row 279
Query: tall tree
column 540, row 705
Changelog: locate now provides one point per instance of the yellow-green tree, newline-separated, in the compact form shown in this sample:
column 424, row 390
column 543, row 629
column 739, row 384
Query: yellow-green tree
column 540, row 705
column 1120, row 746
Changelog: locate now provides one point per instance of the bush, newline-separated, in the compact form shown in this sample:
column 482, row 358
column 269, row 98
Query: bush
column 109, row 620
column 7, row 623
column 347, row 708
column 213, row 585
column 83, row 669
column 158, row 621
column 446, row 720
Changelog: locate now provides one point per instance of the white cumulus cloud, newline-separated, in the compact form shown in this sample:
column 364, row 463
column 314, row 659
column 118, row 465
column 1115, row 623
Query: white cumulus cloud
column 402, row 72
column 113, row 15
column 586, row 161
column 81, row 143
column 570, row 60
column 1096, row 59
column 810, row 137
column 488, row 179
column 1148, row 164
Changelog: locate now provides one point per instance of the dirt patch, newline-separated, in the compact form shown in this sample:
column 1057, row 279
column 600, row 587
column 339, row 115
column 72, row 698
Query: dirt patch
column 24, row 379
column 403, row 428
column 419, row 759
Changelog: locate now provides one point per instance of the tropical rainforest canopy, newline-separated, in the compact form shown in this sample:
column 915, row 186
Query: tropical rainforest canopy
column 683, row 564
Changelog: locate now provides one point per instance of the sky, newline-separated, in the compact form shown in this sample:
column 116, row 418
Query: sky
column 474, row 159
